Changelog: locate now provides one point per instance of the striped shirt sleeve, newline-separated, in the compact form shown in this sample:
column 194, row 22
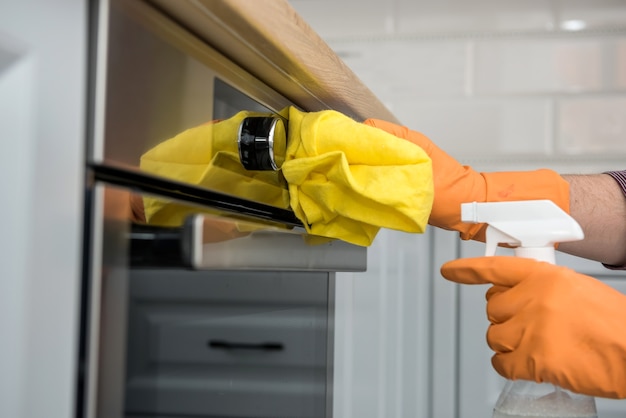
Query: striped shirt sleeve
column 620, row 178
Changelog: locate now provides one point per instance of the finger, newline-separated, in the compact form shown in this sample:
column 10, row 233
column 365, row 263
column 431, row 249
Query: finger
column 508, row 366
column 513, row 366
column 504, row 337
column 499, row 270
column 505, row 305
column 495, row 290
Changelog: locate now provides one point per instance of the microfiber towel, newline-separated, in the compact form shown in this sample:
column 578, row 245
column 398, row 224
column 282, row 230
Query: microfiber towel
column 347, row 180
column 208, row 156
column 343, row 179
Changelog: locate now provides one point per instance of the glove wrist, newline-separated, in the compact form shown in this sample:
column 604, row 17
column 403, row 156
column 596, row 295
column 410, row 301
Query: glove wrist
column 509, row 186
column 527, row 185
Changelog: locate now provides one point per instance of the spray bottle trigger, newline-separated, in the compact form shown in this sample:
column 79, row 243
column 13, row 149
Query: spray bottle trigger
column 493, row 237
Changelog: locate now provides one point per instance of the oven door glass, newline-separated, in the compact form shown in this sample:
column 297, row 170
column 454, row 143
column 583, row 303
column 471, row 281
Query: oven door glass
column 157, row 84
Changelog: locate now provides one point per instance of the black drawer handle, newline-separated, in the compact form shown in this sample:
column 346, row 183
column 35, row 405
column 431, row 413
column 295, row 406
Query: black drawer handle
column 227, row 345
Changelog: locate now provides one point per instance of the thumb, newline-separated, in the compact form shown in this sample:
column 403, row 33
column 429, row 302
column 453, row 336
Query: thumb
column 499, row 270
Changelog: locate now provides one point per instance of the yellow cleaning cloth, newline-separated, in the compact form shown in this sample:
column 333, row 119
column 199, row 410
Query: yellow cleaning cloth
column 208, row 156
column 345, row 179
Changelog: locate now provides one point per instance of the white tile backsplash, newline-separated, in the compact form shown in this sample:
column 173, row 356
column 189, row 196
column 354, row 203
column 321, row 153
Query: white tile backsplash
column 482, row 127
column 540, row 66
column 340, row 18
column 596, row 14
column 592, row 125
column 337, row 19
column 619, row 77
column 410, row 68
column 501, row 97
column 490, row 78
column 462, row 16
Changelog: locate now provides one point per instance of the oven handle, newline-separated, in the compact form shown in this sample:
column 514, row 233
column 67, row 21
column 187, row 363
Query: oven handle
column 270, row 248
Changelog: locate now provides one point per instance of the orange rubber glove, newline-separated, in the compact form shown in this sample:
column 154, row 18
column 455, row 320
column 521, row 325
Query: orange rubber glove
column 455, row 184
column 551, row 324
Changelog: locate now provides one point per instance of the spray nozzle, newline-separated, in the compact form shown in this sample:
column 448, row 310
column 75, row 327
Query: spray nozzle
column 532, row 226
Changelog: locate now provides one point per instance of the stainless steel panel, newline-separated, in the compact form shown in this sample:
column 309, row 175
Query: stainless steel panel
column 210, row 242
column 281, row 250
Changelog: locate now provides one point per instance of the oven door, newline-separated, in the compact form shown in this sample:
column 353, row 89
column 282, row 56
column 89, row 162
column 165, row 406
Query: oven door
column 226, row 314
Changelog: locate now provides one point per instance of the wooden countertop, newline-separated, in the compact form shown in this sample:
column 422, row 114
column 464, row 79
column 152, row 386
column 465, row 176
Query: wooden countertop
column 273, row 43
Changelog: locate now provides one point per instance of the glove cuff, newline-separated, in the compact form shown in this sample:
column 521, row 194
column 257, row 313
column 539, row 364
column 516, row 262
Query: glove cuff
column 521, row 185
column 527, row 185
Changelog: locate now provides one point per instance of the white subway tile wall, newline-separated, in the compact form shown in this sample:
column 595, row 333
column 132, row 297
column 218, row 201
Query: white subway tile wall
column 490, row 80
column 490, row 97
column 483, row 127
column 592, row 125
column 455, row 16
column 340, row 18
column 597, row 14
column 540, row 66
column 620, row 65
column 410, row 69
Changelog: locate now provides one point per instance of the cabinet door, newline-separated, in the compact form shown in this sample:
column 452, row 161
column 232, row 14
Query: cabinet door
column 227, row 344
column 382, row 332
column 43, row 67
column 479, row 385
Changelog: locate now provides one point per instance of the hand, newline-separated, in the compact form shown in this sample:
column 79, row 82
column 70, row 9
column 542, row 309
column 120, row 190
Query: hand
column 456, row 184
column 551, row 324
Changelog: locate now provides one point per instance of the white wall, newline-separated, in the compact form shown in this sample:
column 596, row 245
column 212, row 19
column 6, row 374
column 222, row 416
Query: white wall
column 42, row 113
column 491, row 80
column 538, row 98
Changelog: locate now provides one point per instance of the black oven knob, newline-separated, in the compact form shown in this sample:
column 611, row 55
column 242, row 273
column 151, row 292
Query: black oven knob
column 262, row 141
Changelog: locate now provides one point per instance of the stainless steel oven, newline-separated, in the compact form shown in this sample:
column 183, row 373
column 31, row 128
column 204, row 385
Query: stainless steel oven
column 227, row 314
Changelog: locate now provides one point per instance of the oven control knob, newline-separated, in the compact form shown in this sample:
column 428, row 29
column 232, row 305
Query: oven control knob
column 262, row 141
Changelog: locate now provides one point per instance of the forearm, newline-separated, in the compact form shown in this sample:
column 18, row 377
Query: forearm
column 598, row 204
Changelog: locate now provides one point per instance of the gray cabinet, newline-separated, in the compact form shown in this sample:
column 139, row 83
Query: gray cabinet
column 228, row 343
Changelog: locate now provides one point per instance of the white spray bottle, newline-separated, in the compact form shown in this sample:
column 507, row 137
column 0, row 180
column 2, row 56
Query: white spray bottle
column 532, row 227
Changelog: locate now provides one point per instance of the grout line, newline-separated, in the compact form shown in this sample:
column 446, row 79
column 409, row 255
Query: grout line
column 457, row 343
column 470, row 61
column 552, row 126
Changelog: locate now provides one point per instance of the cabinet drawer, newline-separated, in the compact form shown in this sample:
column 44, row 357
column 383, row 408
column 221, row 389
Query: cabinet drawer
column 245, row 344
column 181, row 335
